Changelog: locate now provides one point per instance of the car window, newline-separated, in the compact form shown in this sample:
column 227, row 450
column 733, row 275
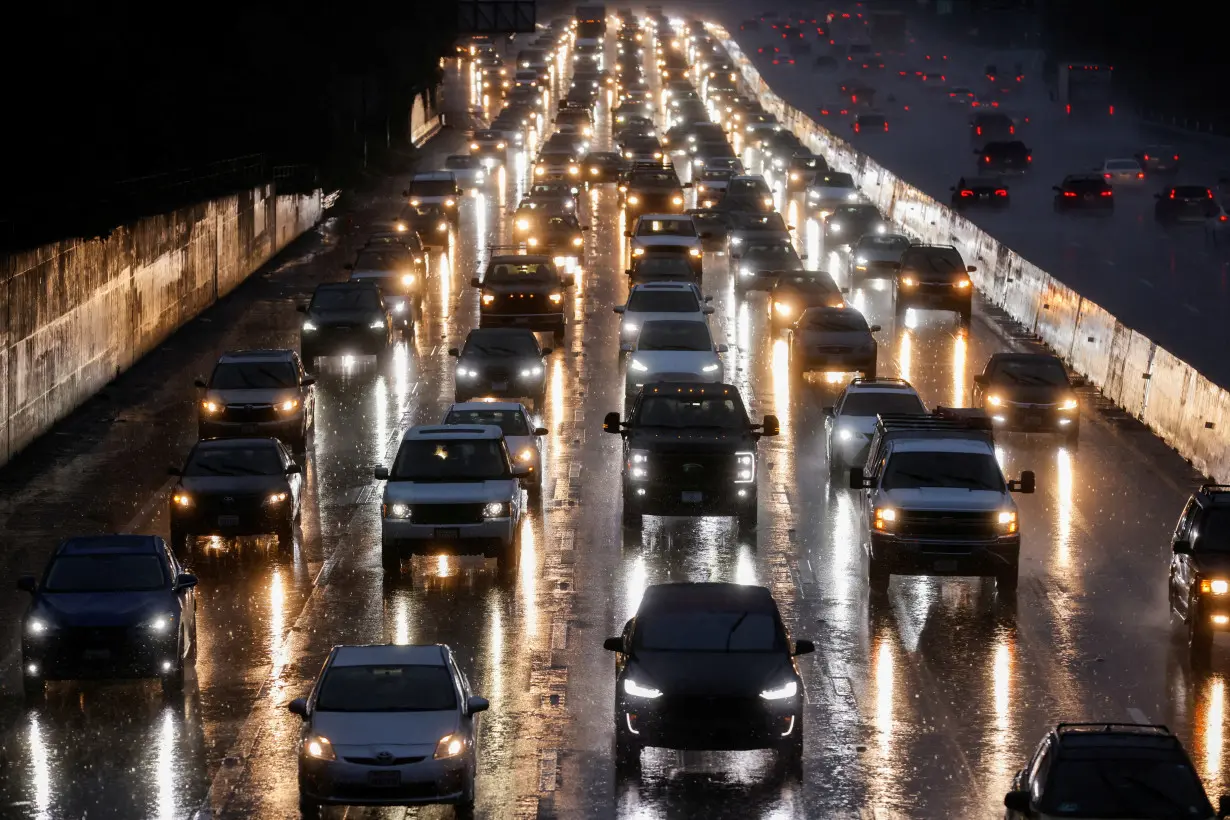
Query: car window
column 1212, row 531
column 966, row 471
column 662, row 301
column 1192, row 192
column 391, row 688
column 674, row 336
column 835, row 180
column 253, row 376
column 938, row 260
column 517, row 272
column 234, row 461
column 835, row 321
column 655, row 178
column 510, row 422
column 747, row 186
column 105, row 573
column 666, row 227
column 1032, row 372
column 761, row 222
column 359, row 299
column 522, row 345
column 459, row 162
column 434, row 187
column 1086, row 185
column 708, row 632
column 867, row 403
column 715, row 176
column 451, row 460
column 1123, row 786
column 672, row 411
column 884, row 243
column 872, row 120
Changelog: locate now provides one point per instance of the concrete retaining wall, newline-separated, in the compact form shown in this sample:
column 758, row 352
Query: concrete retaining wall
column 1181, row 406
column 77, row 313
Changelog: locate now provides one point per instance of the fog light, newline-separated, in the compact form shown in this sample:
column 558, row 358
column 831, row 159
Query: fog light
column 166, row 666
column 1064, row 422
column 32, row 669
column 640, row 491
column 742, row 493
column 1221, row 620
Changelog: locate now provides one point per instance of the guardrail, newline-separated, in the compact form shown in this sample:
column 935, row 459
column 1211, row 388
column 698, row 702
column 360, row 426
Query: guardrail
column 1168, row 395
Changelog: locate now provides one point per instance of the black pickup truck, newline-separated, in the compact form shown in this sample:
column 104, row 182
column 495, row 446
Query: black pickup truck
column 689, row 449
column 522, row 291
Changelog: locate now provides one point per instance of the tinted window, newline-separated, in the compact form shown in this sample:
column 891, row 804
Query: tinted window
column 1124, row 787
column 501, row 344
column 517, row 272
column 666, row 227
column 764, row 253
column 459, row 162
column 856, row 212
column 966, row 471
column 382, row 260
column 761, row 222
column 511, row 422
column 809, row 163
column 835, row 181
column 433, row 187
column 386, row 689
column 663, row 301
column 938, row 260
column 253, row 376
column 863, row 403
column 884, row 243
column 105, row 573
column 452, row 460
column 671, row 411
column 367, row 298
column 993, row 121
column 1086, row 185
column 652, row 178
column 748, row 186
column 835, row 321
column 872, row 121
column 716, row 176
column 1030, row 372
column 674, row 336
column 708, row 632
column 207, row 461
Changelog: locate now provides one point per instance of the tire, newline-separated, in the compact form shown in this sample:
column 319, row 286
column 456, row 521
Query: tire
column 308, row 809
column 34, row 690
column 192, row 644
column 173, row 683
column 1006, row 579
column 878, row 576
column 632, row 518
column 286, row 537
column 390, row 560
column 627, row 749
column 746, row 522
column 179, row 541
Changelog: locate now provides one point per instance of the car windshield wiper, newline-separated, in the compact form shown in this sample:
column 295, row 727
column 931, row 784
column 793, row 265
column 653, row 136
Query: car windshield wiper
column 730, row 636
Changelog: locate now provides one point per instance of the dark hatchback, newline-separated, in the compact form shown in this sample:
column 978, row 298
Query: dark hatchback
column 1029, row 392
column 345, row 318
column 109, row 606
column 1180, row 204
column 1084, row 192
column 707, row 666
column 1004, row 157
column 522, row 291
column 503, row 363
column 979, row 192
column 653, row 191
column 233, row 487
column 1200, row 569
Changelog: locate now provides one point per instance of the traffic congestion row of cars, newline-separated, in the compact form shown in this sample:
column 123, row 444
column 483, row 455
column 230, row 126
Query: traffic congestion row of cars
column 699, row 665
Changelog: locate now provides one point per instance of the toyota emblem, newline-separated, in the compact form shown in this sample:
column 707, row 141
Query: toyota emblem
column 228, row 499
column 385, row 757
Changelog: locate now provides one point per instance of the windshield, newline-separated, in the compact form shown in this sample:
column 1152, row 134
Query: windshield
column 523, row 345
column 835, row 321
column 1086, row 185
column 105, row 573
column 762, row 222
column 769, row 252
column 873, row 404
column 856, row 212
column 654, row 179
column 666, row 227
column 835, row 181
column 1006, row 148
column 806, row 163
column 1031, row 372
column 559, row 223
column 894, row 244
column 673, row 411
column 260, row 460
column 662, row 301
column 933, row 260
column 555, row 157
column 514, row 272
column 346, row 299
column 1192, row 192
column 716, row 176
column 964, row 471
column 442, row 187
column 708, row 632
column 1128, row 787
column 675, row 336
column 451, row 460
column 511, row 422
column 993, row 121
column 746, row 187
column 459, row 162
column 382, row 260
column 253, row 376
column 386, row 689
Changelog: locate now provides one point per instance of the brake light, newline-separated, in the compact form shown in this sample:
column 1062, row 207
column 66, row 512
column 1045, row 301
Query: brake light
column 1176, row 157
column 1108, row 193
column 1223, row 218
column 824, row 112
column 886, row 126
column 1171, row 190
column 978, row 130
column 987, row 158
column 1069, row 193
column 1067, row 109
column 1146, row 157
column 1140, row 175
column 1108, row 177
column 856, row 128
column 1001, row 191
column 967, row 193
column 1011, row 129
column 1112, row 110
column 1029, row 158
column 1209, row 192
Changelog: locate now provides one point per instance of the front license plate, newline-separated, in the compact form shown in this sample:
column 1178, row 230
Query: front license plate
column 384, row 778
column 499, row 385
column 521, row 320
column 945, row 566
column 448, row 533
column 228, row 521
column 96, row 655
column 692, row 497
column 248, row 429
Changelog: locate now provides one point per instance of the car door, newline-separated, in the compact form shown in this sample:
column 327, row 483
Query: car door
column 1037, row 771
column 1181, row 573
column 185, row 598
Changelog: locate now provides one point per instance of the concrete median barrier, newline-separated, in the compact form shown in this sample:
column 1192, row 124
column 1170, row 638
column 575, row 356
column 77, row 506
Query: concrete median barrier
column 1180, row 405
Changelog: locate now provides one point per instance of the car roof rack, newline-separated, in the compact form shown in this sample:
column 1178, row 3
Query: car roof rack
column 1115, row 726
column 941, row 419
column 882, row 380
column 914, row 244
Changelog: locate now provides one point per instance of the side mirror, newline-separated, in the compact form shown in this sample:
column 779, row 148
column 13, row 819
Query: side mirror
column 308, row 381
column 547, row 351
column 522, row 470
column 585, row 227
column 540, row 431
column 790, row 227
column 980, row 380
column 971, row 268
column 843, row 290
column 26, row 583
column 708, row 310
column 1017, row 801
column 298, row 706
column 475, row 282
column 293, row 469
column 628, row 234
column 174, row 471
column 185, row 580
column 1182, row 547
column 628, row 272
column 802, row 647
column 611, row 423
column 1025, row 485
column 708, row 299
column 454, row 352
column 301, row 308
column 857, row 480
column 771, row 426
column 381, row 473
column 200, row 383
column 475, row 704
column 722, row 348
column 613, row 644
column 875, row 328
column 618, row 308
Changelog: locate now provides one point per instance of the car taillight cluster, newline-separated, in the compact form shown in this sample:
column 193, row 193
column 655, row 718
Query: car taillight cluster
column 1001, row 191
column 1108, row 193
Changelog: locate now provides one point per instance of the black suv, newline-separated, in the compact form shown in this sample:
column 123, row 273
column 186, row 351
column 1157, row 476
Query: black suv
column 1186, row 203
column 1084, row 192
column 1110, row 770
column 1004, row 157
column 689, row 449
column 707, row 666
column 1030, row 392
column 522, row 291
column 1200, row 568
column 937, row 278
column 501, row 362
column 652, row 189
column 345, row 318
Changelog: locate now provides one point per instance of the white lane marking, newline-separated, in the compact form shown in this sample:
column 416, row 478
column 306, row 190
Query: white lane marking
column 1137, row 715
column 1192, row 309
column 1145, row 282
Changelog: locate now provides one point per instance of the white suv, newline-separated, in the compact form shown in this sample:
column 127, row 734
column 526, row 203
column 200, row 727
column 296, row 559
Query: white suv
column 451, row 487
column 659, row 300
column 673, row 233
column 851, row 421
column 673, row 350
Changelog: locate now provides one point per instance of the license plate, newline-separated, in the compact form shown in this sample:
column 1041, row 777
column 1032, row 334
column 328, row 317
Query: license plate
column 499, row 385
column 1088, row 196
column 692, row 497
column 228, row 521
column 384, row 778
column 96, row 654
column 248, row 429
column 945, row 566
column 521, row 320
column 448, row 533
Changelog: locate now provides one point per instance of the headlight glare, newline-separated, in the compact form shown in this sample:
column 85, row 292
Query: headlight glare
column 639, row 367
column 786, row 690
column 449, row 746
column 637, row 690
column 495, row 509
column 319, row 748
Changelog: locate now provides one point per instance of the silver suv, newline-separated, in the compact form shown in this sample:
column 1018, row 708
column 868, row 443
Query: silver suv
column 851, row 421
column 257, row 393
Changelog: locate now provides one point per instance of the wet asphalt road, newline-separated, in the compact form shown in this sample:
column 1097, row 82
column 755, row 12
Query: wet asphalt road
column 922, row 706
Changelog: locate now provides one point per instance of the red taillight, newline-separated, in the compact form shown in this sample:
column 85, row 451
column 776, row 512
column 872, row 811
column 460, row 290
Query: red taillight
column 1112, row 110
column 1001, row 191
column 1067, row 109
column 824, row 112
column 1223, row 218
column 1029, row 158
column 1171, row 193
column 1108, row 193
column 856, row 128
column 1011, row 129
column 1140, row 175
column 1106, row 175
column 1069, row 193
column 885, row 126
column 1176, row 157
column 978, row 130
column 1146, row 157
column 1209, row 192
column 987, row 159
column 967, row 193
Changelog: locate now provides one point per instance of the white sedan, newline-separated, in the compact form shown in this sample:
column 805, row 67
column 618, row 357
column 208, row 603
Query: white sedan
column 659, row 300
column 1122, row 172
column 673, row 350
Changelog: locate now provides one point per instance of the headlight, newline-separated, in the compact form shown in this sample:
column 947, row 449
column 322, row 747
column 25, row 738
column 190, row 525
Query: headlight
column 182, row 499
column 835, row 227
column 845, row 435
column 536, row 370
column 1216, row 587
column 577, row 241
column 414, row 203
column 37, row 626
column 377, row 325
column 556, row 298
column 862, row 260
column 638, row 251
column 442, row 227
column 710, row 368
column 1068, row 404
column 736, row 240
column 319, row 748
column 397, row 511
column 794, row 176
column 884, row 517
column 401, row 227
column 273, row 499
column 407, row 279
column 466, row 373
column 783, row 308
column 574, row 170
column 450, row 746
column 162, row 623
column 526, row 454
column 694, row 251
column 961, row 284
column 499, row 145
column 309, row 327
column 488, row 298
column 629, row 328
column 474, row 145
column 210, row 408
column 639, row 367
column 745, row 468
column 1007, row 520
column 787, row 690
column 852, row 196
column 636, row 690
column 634, row 200
column 994, row 401
column 909, row 281
column 539, row 171
column 677, row 200
column 523, row 224
column 289, row 406
column 496, row 509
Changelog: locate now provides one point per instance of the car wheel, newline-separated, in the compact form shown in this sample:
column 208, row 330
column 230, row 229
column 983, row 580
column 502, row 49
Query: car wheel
column 1199, row 636
column 790, row 754
column 1006, row 579
column 390, row 560
column 286, row 536
column 627, row 749
column 878, row 576
column 192, row 643
column 308, row 809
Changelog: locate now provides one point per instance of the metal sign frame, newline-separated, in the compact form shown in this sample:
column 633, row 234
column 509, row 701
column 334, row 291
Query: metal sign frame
column 496, row 16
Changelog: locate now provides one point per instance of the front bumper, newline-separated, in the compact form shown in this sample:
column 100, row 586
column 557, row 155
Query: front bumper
column 224, row 523
column 339, row 782
column 518, row 388
column 91, row 654
column 357, row 341
column 658, row 499
column 852, row 361
column 930, row 556
column 721, row 724
column 949, row 299
column 411, row 538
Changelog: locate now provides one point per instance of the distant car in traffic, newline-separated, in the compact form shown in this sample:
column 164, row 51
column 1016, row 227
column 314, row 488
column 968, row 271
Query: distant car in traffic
column 793, row 293
column 851, row 420
column 668, row 350
column 1159, row 159
column 1029, row 392
column 1089, row 193
column 503, row 363
column 522, row 436
column 346, row 319
column 258, row 393
column 1011, row 157
column 1126, row 172
column 659, row 300
column 833, row 340
column 935, row 277
column 979, row 192
column 876, row 256
column 1186, row 204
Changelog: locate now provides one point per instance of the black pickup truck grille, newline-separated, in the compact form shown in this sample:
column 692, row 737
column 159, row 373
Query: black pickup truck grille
column 689, row 471
column 948, row 525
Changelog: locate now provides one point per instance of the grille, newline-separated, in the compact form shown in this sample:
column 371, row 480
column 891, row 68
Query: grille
column 833, row 349
column 223, row 504
column 520, row 303
column 947, row 525
column 250, row 413
column 446, row 513
column 392, row 761
column 106, row 637
column 497, row 374
column 691, row 472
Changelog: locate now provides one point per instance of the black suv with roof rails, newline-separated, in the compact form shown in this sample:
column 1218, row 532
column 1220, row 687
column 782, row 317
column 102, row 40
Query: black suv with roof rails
column 935, row 277
column 651, row 188
column 520, row 290
column 689, row 449
column 1100, row 769
column 1199, row 584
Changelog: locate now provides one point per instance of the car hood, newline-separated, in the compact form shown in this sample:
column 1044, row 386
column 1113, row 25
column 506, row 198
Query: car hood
column 666, row 241
column 78, row 609
column 824, row 338
column 760, row 234
column 947, row 498
column 382, row 730
column 1030, row 393
column 269, row 395
column 233, row 484
column 712, row 674
column 671, row 440
column 344, row 317
column 462, row 492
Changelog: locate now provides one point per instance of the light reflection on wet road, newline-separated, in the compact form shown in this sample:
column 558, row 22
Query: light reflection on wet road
column 922, row 705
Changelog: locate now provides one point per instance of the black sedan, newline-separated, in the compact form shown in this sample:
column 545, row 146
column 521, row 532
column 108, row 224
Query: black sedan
column 430, row 222
column 346, row 319
column 979, row 192
column 108, row 606
column 233, row 487
column 849, row 223
column 1029, row 392
column 1084, row 192
column 603, row 166
column 707, row 666
column 763, row 263
column 505, row 363
column 794, row 293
